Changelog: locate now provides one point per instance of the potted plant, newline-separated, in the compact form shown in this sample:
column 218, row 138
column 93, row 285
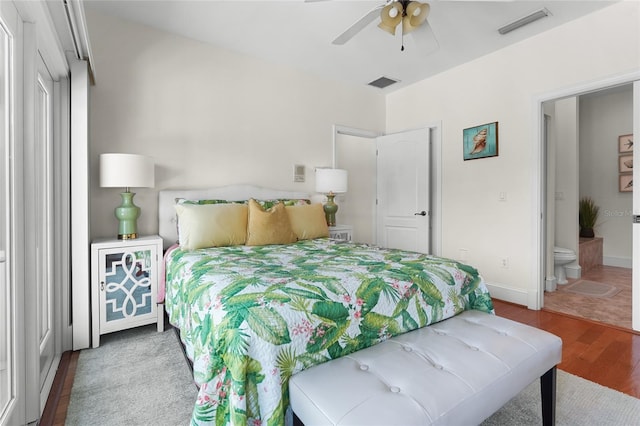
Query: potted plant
column 588, row 212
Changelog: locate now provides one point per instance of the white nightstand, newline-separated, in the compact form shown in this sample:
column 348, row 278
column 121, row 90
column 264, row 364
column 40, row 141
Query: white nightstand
column 341, row 232
column 124, row 285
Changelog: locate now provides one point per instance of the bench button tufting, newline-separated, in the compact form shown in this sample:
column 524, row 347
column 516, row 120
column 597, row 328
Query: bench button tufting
column 364, row 367
column 439, row 367
column 407, row 348
column 474, row 348
column 394, row 389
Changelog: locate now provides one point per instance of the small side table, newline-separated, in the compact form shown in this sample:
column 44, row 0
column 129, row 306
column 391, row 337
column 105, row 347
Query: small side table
column 124, row 285
column 341, row 232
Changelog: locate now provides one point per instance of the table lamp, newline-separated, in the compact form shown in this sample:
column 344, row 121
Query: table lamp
column 331, row 182
column 126, row 171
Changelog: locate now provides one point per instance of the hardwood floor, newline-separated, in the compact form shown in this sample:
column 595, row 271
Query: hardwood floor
column 595, row 351
column 55, row 411
column 614, row 310
column 603, row 354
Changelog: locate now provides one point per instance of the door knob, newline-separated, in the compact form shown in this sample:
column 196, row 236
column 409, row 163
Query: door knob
column 422, row 213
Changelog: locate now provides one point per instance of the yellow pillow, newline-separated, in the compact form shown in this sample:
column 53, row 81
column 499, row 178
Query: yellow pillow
column 211, row 225
column 268, row 226
column 308, row 221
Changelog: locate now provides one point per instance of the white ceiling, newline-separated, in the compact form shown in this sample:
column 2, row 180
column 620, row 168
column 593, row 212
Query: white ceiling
column 299, row 33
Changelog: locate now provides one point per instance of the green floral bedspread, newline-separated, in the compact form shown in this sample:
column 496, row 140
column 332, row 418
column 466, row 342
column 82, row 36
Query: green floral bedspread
column 251, row 317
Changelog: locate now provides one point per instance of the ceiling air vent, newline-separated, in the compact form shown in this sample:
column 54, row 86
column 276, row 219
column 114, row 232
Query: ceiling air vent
column 526, row 20
column 383, row 82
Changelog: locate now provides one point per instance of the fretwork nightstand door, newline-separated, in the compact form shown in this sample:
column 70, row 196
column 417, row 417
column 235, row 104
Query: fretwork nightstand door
column 125, row 285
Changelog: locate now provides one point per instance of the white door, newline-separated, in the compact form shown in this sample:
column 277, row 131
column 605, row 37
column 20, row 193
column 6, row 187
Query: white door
column 403, row 209
column 42, row 203
column 635, row 251
column 12, row 398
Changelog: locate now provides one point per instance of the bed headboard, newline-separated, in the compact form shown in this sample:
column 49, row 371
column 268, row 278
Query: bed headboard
column 167, row 198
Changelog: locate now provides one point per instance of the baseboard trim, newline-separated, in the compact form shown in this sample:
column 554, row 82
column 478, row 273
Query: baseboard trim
column 499, row 291
column 620, row 262
column 551, row 284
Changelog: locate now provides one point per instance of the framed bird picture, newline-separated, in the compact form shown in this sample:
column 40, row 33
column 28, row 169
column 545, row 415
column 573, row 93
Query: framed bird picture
column 625, row 144
column 480, row 141
column 625, row 183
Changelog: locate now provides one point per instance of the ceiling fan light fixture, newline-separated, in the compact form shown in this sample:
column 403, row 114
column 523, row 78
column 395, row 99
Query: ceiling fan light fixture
column 390, row 17
column 416, row 14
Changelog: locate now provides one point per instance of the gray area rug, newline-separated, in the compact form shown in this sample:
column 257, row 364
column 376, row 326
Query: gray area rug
column 578, row 402
column 592, row 288
column 140, row 377
column 135, row 377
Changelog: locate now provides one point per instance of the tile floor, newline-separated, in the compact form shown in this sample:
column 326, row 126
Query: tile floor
column 615, row 310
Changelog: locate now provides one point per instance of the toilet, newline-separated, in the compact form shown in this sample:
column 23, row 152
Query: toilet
column 561, row 257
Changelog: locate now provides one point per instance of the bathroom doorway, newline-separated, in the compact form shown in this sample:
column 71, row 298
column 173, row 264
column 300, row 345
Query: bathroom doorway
column 582, row 159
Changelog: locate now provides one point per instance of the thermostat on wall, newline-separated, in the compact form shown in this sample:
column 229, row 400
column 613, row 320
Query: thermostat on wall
column 298, row 173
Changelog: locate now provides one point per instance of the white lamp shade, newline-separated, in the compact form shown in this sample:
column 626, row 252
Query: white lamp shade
column 331, row 180
column 126, row 171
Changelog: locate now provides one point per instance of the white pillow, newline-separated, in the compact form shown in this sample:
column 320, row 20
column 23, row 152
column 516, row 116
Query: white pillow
column 211, row 225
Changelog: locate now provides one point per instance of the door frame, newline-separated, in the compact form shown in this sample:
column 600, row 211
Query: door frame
column 635, row 242
column 535, row 299
column 435, row 179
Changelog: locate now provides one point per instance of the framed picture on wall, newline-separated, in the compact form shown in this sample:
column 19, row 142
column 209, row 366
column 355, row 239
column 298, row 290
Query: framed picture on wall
column 625, row 144
column 625, row 163
column 626, row 183
column 480, row 141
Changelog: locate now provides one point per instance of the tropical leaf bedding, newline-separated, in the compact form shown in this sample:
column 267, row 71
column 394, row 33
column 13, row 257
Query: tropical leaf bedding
column 250, row 317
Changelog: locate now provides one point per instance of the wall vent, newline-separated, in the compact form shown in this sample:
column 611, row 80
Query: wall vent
column 383, row 82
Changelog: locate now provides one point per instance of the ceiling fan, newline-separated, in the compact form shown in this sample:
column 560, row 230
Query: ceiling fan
column 408, row 15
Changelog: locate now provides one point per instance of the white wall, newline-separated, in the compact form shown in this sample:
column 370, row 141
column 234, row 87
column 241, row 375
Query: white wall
column 208, row 116
column 357, row 207
column 502, row 87
column 565, row 126
column 603, row 118
column 212, row 117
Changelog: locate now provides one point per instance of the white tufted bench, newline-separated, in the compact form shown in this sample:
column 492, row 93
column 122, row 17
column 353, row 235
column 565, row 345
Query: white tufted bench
column 455, row 372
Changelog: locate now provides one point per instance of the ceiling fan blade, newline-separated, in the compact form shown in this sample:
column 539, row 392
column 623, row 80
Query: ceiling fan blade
column 359, row 25
column 425, row 38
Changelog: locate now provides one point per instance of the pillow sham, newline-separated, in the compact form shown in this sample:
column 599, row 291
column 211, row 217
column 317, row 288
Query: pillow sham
column 211, row 225
column 308, row 221
column 269, row 226
column 199, row 202
column 267, row 204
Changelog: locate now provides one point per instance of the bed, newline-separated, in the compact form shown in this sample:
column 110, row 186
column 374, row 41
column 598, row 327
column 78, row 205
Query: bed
column 252, row 315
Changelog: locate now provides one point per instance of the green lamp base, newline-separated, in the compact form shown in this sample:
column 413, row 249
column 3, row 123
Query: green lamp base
column 330, row 209
column 127, row 214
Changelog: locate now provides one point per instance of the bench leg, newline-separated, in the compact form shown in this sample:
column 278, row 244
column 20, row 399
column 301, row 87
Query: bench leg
column 297, row 421
column 548, row 395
